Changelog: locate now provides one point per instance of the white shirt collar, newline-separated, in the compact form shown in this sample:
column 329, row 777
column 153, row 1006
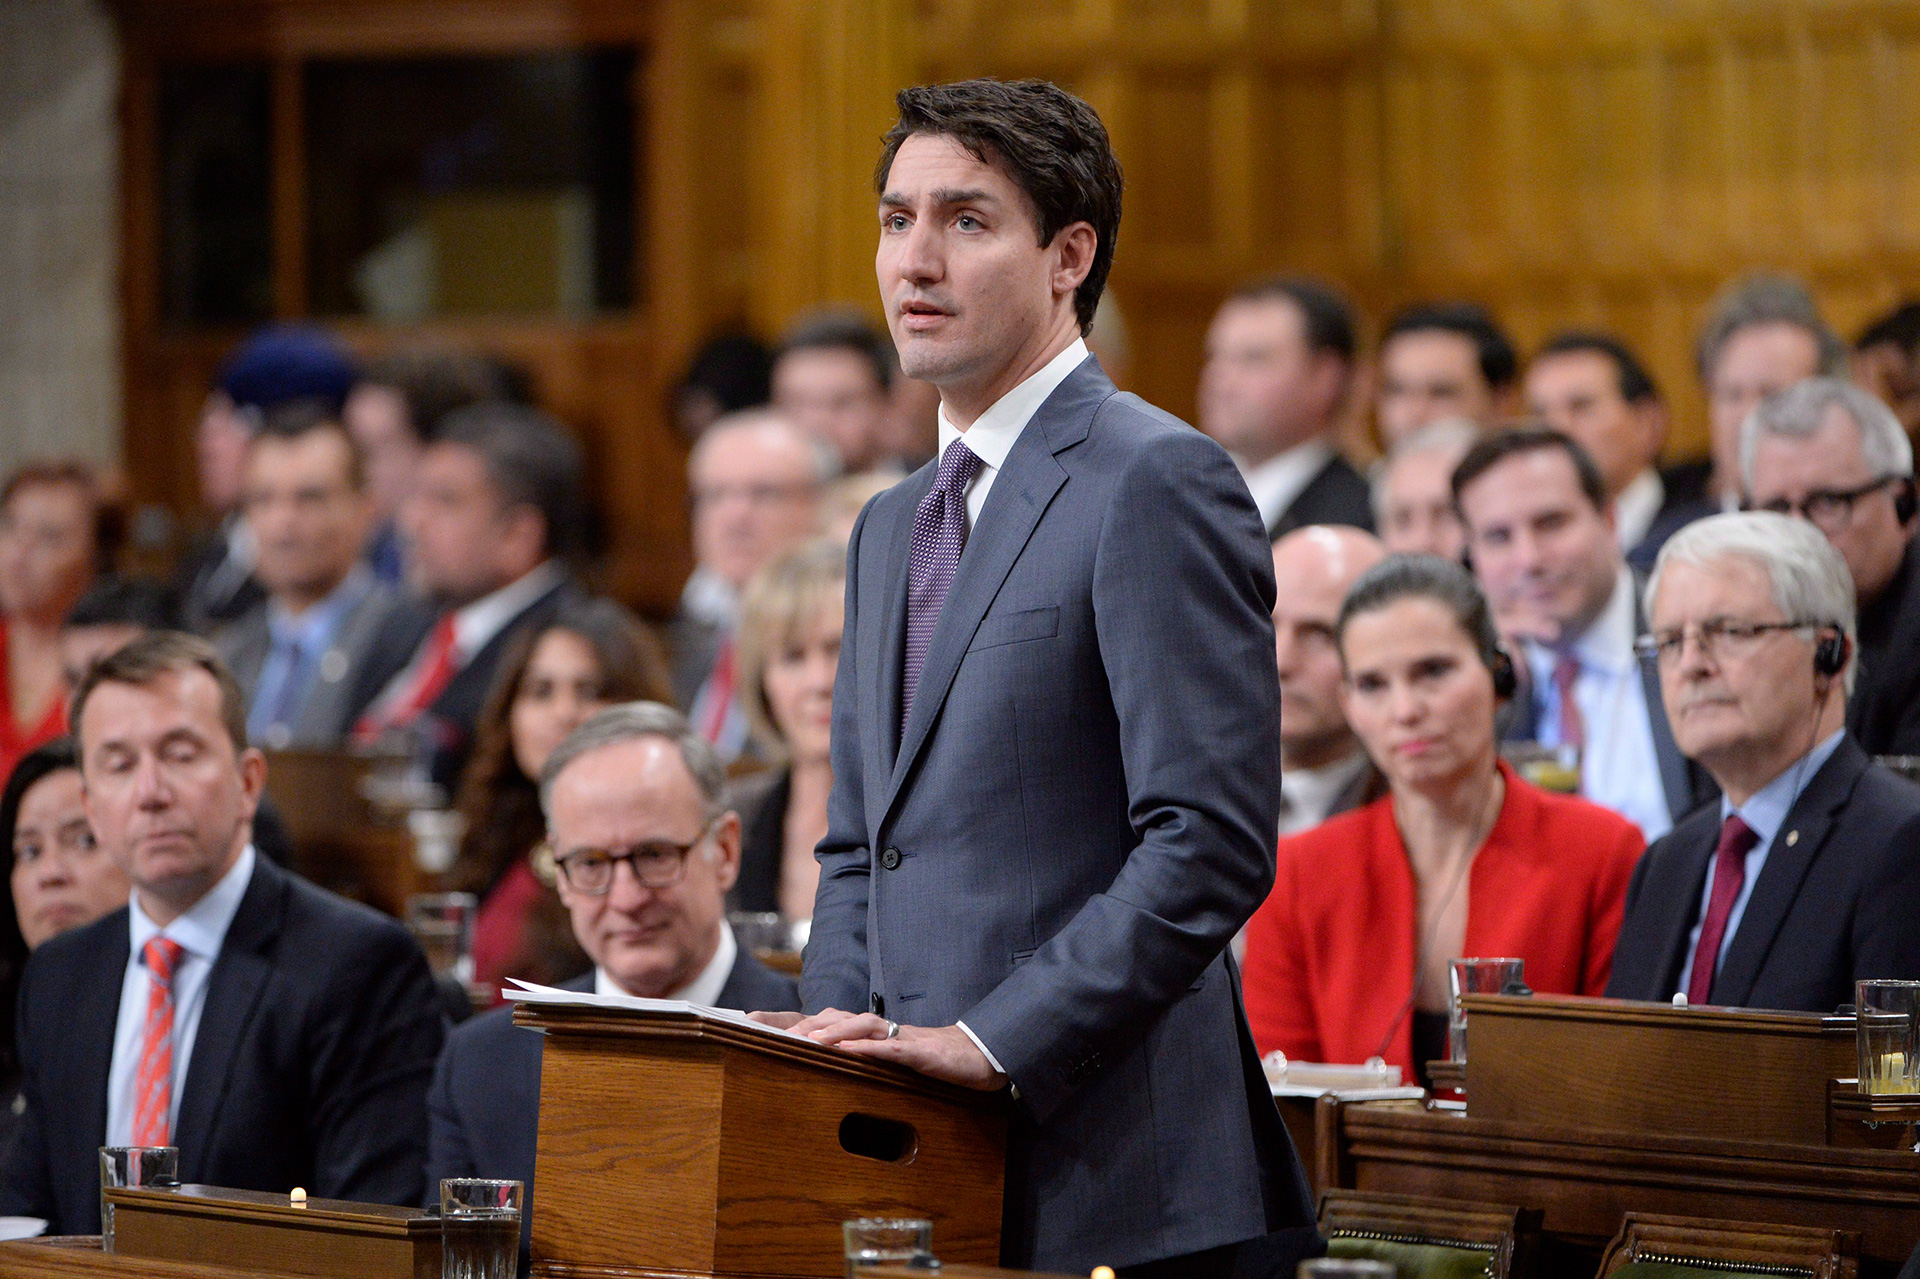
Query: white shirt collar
column 1634, row 509
column 203, row 928
column 703, row 990
column 486, row 617
column 992, row 435
column 710, row 597
column 1311, row 792
column 1276, row 482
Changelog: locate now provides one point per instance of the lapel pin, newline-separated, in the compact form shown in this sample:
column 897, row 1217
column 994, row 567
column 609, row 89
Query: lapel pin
column 1793, row 837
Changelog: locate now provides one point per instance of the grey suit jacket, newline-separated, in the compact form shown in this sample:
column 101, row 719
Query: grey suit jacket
column 327, row 715
column 1077, row 819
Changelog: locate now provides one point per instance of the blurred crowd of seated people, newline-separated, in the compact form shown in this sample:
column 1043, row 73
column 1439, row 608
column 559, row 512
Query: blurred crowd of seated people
column 1541, row 697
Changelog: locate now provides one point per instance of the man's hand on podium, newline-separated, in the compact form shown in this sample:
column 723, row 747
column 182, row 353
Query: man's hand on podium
column 946, row 1053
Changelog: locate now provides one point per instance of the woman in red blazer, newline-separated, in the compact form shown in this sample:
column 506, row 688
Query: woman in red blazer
column 1348, row 958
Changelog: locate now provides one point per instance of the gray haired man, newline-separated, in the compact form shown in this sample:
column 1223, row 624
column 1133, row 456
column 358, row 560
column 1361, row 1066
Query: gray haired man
column 1806, row 875
column 1828, row 452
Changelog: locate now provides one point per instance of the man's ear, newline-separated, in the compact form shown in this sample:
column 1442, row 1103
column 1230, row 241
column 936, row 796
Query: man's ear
column 1075, row 245
column 726, row 844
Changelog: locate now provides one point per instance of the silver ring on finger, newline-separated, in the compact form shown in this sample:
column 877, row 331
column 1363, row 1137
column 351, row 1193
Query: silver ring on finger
column 893, row 1030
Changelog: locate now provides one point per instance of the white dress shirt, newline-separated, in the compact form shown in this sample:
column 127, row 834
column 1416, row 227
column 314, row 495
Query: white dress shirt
column 474, row 627
column 1310, row 792
column 1619, row 768
column 1634, row 509
column 1764, row 813
column 993, row 433
column 1276, row 482
column 704, row 989
column 200, row 933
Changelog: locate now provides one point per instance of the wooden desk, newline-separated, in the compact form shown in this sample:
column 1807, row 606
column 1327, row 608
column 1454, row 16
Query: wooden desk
column 341, row 840
column 79, row 1257
column 1590, row 1109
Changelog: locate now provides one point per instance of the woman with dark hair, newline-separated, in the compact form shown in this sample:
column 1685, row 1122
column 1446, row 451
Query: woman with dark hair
column 56, row 535
column 593, row 654
column 60, row 879
column 1349, row 957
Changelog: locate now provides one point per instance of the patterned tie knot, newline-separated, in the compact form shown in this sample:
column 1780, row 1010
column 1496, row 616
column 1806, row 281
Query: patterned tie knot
column 162, row 956
column 958, row 465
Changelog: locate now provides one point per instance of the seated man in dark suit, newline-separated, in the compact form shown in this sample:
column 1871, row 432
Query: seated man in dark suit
column 644, row 856
column 1806, row 875
column 1279, row 369
column 496, row 513
column 278, row 1035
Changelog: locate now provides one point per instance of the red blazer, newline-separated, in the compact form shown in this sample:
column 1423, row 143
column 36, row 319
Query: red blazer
column 1330, row 955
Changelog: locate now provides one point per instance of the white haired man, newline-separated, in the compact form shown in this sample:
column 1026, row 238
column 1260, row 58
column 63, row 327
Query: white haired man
column 1806, row 875
column 1830, row 453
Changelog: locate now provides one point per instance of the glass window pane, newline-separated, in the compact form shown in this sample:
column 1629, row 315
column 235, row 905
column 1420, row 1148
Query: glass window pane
column 216, row 211
column 471, row 185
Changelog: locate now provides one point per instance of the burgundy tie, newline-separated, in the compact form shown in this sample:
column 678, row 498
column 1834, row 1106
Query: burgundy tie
column 1572, row 731
column 1737, row 839
column 939, row 535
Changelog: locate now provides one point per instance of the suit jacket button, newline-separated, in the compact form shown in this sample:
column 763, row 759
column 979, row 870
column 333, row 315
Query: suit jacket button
column 890, row 859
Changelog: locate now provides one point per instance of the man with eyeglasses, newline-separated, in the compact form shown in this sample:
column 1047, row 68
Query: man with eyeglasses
column 1806, row 875
column 1830, row 453
column 643, row 856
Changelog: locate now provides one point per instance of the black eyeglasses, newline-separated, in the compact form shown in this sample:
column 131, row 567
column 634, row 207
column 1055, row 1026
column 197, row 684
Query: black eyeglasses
column 1716, row 637
column 655, row 864
column 1828, row 508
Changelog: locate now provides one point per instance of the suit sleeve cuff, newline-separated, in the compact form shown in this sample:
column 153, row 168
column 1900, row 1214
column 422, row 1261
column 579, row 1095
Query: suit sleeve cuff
column 988, row 1054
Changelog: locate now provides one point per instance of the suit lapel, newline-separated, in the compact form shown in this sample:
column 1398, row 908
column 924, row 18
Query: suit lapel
column 89, row 1048
column 234, row 989
column 1791, row 856
column 1021, row 493
column 886, row 663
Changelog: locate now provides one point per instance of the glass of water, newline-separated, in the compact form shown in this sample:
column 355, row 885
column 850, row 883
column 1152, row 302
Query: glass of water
column 156, row 1166
column 889, row 1241
column 479, row 1228
column 1887, row 1036
column 1476, row 977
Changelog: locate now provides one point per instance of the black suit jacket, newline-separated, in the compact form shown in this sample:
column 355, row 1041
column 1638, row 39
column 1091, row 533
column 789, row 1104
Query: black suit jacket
column 1337, row 495
column 457, row 710
column 310, row 1067
column 1836, row 900
column 1884, row 710
column 1675, row 513
column 761, row 800
column 485, row 1101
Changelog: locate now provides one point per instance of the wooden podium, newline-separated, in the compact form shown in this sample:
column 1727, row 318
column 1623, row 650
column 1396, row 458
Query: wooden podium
column 1592, row 1108
column 678, row 1144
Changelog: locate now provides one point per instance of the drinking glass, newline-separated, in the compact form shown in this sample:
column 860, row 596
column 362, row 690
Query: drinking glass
column 759, row 930
column 1475, row 977
column 443, row 925
column 157, row 1166
column 1344, row 1268
column 1887, row 1036
column 479, row 1228
column 874, row 1241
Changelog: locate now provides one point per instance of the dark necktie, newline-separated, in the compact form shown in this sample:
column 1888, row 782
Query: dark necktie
column 1737, row 839
column 939, row 535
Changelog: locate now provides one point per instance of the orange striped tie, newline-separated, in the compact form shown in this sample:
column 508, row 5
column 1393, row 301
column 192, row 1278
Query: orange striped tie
column 153, row 1082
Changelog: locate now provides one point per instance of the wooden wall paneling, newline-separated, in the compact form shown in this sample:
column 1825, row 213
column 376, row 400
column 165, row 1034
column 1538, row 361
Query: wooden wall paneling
column 289, row 185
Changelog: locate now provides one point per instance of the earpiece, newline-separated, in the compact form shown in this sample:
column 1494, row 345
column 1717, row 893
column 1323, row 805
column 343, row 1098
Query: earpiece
column 1906, row 502
column 1506, row 681
column 1830, row 654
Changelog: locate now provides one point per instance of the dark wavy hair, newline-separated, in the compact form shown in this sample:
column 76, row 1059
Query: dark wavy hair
column 1049, row 142
column 502, row 804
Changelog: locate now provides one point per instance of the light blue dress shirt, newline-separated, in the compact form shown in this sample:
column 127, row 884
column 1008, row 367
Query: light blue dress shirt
column 1619, row 766
column 1764, row 812
column 200, row 933
column 298, row 646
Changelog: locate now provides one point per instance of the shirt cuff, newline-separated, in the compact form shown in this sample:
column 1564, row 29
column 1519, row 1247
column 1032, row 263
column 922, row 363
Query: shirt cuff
column 988, row 1054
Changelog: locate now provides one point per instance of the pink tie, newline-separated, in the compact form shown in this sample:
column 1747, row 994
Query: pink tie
column 1572, row 731
column 1737, row 839
column 153, row 1081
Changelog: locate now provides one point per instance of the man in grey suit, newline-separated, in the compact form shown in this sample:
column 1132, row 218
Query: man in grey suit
column 296, row 652
column 1055, row 734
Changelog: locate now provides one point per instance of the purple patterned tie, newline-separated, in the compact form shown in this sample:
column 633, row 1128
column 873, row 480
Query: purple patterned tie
column 939, row 535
